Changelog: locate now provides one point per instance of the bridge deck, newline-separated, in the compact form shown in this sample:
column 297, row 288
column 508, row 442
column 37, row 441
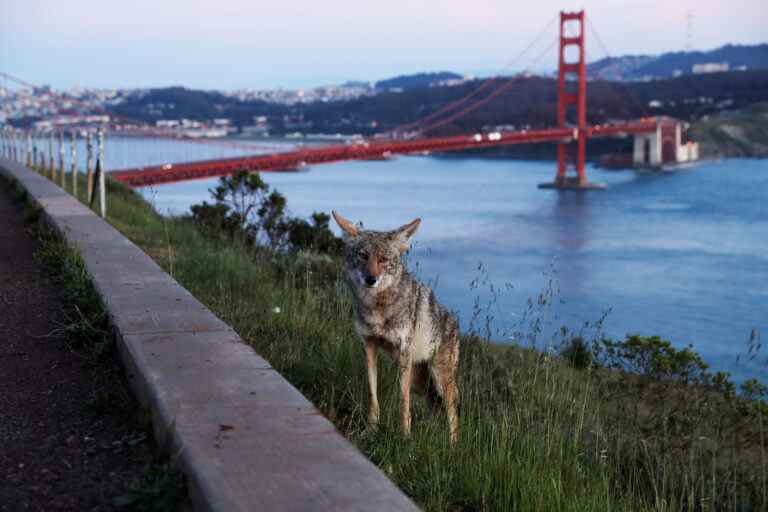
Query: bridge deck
column 291, row 160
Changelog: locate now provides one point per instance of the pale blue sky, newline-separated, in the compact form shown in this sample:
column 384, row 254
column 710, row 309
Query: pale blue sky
column 230, row 44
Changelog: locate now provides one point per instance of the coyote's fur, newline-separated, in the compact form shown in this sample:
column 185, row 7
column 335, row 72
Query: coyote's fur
column 396, row 313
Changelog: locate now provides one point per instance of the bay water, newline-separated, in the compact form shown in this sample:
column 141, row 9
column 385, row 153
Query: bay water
column 682, row 255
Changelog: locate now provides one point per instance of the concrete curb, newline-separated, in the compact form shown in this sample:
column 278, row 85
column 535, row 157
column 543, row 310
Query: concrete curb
column 245, row 438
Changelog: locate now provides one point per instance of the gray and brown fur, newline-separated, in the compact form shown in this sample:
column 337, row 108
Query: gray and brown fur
column 396, row 313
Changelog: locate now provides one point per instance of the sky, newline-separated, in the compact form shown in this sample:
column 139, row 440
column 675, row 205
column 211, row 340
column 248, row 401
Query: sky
column 232, row 44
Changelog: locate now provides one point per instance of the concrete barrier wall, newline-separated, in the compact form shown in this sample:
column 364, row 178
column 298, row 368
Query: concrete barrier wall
column 245, row 438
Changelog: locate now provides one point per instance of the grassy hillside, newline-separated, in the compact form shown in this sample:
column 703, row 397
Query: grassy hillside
column 538, row 431
column 734, row 134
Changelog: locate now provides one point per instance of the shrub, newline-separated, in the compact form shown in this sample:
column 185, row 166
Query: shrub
column 315, row 236
column 577, row 352
column 244, row 208
column 653, row 357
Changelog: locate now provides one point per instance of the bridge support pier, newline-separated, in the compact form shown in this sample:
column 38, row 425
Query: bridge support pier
column 572, row 183
column 663, row 146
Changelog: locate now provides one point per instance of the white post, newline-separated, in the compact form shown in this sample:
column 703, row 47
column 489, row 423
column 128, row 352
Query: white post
column 29, row 150
column 61, row 157
column 41, row 153
column 89, row 166
column 74, row 163
column 102, row 180
column 34, row 153
column 51, row 158
column 54, row 169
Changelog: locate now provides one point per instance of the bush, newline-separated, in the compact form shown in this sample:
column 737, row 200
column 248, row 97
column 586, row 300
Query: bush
column 577, row 352
column 245, row 209
column 316, row 236
column 653, row 357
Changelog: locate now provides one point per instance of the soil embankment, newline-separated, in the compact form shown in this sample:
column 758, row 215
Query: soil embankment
column 68, row 441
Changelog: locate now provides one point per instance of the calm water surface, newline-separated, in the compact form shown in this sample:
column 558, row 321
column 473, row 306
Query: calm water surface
column 681, row 255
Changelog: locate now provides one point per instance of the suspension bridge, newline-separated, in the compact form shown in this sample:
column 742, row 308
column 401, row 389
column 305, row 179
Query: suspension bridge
column 657, row 140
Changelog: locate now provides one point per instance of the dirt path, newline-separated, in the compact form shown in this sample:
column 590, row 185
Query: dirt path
column 56, row 451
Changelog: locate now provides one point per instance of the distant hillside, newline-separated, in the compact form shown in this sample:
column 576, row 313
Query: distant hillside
column 732, row 133
column 151, row 105
column 405, row 82
column 640, row 67
column 530, row 103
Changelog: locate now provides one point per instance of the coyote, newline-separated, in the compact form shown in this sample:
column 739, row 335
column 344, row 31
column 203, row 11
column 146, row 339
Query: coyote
column 396, row 313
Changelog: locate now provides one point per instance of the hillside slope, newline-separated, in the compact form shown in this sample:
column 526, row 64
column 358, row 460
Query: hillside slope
column 734, row 133
column 666, row 65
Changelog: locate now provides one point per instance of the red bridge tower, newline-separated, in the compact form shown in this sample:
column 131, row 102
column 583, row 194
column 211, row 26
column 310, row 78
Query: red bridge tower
column 572, row 91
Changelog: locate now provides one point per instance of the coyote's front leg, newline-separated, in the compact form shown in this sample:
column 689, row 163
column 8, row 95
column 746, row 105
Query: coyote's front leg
column 405, row 367
column 373, row 399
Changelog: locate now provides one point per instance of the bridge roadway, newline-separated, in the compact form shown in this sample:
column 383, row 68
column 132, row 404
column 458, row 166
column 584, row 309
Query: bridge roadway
column 369, row 150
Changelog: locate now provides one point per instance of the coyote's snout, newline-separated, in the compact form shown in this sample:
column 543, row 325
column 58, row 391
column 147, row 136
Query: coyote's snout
column 396, row 313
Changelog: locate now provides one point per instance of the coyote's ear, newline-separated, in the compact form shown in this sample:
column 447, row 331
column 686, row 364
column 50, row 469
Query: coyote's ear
column 346, row 226
column 402, row 235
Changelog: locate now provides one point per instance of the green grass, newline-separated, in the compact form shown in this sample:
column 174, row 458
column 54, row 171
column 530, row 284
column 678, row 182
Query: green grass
column 536, row 433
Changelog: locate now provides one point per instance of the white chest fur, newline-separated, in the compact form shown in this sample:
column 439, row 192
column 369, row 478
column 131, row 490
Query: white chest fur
column 420, row 339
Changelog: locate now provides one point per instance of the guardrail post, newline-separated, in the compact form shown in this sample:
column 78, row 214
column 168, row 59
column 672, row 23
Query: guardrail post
column 61, row 158
column 102, row 179
column 34, row 154
column 41, row 154
column 89, row 166
column 52, row 160
column 54, row 168
column 74, row 162
column 51, row 166
column 29, row 150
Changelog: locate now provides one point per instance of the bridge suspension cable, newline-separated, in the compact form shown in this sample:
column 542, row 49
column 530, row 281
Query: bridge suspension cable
column 626, row 93
column 481, row 87
column 483, row 101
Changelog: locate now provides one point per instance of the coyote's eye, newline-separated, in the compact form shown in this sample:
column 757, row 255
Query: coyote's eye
column 362, row 255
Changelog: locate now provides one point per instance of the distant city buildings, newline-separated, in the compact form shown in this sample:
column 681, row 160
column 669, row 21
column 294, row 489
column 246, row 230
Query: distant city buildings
column 327, row 93
column 710, row 67
column 43, row 108
column 47, row 109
